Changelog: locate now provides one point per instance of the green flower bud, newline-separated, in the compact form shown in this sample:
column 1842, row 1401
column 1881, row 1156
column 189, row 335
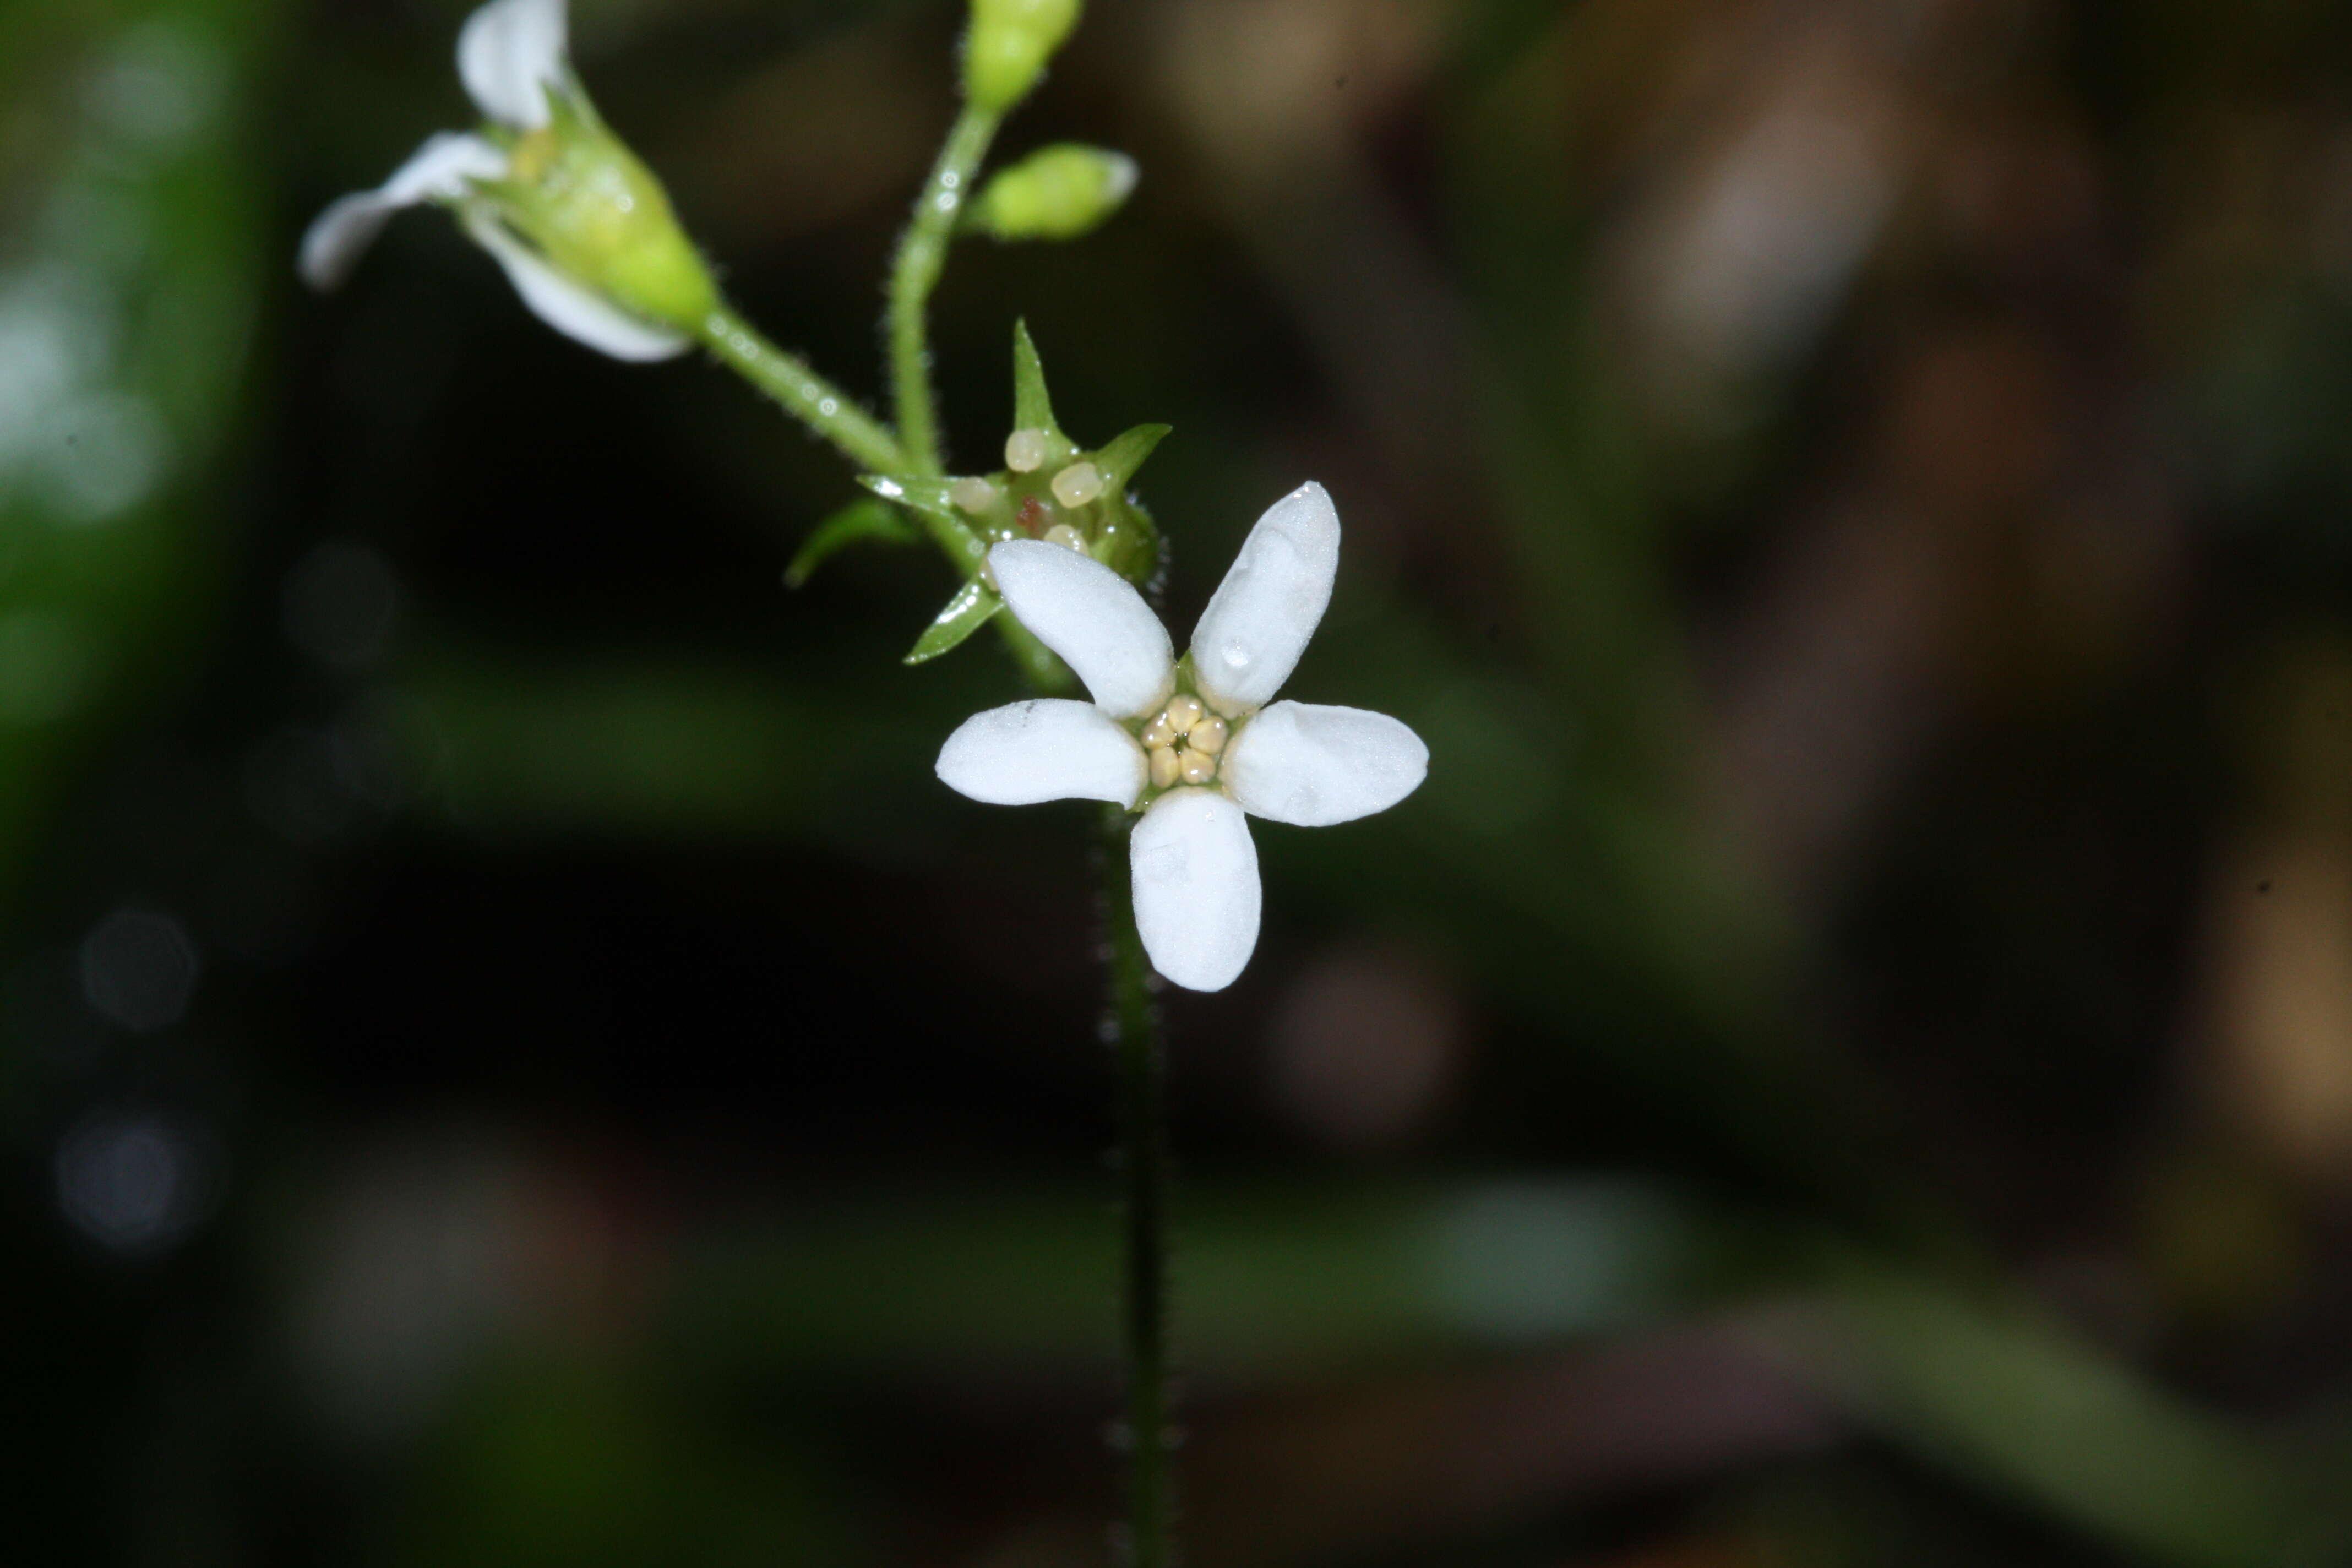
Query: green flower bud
column 1056, row 192
column 597, row 215
column 1010, row 42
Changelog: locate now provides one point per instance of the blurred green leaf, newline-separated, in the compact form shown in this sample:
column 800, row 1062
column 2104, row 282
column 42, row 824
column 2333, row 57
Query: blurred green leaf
column 2004, row 1396
column 663, row 746
column 1298, row 1280
column 128, row 278
column 578, row 1463
column 860, row 521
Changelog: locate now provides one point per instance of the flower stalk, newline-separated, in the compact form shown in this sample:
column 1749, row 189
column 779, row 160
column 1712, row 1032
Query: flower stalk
column 922, row 255
column 1132, row 1031
column 590, row 241
column 825, row 408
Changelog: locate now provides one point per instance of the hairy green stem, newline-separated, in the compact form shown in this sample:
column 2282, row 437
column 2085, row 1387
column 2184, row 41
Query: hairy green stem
column 1142, row 1067
column 807, row 396
column 922, row 253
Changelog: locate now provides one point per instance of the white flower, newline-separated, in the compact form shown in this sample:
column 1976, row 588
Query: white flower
column 1197, row 759
column 512, row 56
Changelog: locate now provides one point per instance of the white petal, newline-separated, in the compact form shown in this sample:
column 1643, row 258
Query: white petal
column 1196, row 891
column 444, row 165
column 1048, row 748
column 566, row 306
column 1310, row 766
column 510, row 53
column 1093, row 617
column 440, row 168
column 1256, row 625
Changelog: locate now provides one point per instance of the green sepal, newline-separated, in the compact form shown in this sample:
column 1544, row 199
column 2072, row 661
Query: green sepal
column 914, row 492
column 974, row 606
column 1033, row 409
column 929, row 498
column 579, row 196
column 855, row 523
column 1125, row 453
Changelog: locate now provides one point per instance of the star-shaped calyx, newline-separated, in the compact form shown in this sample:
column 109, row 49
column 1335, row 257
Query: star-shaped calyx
column 1050, row 491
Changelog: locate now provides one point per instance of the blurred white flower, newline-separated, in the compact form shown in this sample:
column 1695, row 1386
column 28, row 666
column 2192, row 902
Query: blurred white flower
column 1195, row 745
column 582, row 230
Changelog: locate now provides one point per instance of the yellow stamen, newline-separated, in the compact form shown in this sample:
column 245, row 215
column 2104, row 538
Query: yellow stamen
column 1024, row 451
column 1078, row 484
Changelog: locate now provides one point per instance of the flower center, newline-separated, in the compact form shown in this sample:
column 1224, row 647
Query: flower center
column 1182, row 743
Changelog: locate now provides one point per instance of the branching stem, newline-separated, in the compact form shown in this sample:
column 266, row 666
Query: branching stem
column 807, row 396
column 922, row 253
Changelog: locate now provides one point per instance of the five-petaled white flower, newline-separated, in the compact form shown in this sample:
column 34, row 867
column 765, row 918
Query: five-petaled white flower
column 542, row 183
column 1196, row 745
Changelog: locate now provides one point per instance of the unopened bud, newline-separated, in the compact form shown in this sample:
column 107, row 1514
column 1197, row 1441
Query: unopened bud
column 1056, row 192
column 1011, row 41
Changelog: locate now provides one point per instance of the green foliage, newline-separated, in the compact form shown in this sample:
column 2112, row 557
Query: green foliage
column 859, row 522
column 126, row 300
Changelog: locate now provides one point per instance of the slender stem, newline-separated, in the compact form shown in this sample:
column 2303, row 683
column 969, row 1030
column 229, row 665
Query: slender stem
column 922, row 253
column 807, row 396
column 1142, row 1077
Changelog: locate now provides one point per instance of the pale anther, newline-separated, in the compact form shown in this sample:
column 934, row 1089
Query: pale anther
column 1069, row 538
column 1078, row 484
column 1184, row 713
column 1159, row 732
column 1166, row 768
column 1197, row 767
column 1208, row 735
column 973, row 495
column 1024, row 451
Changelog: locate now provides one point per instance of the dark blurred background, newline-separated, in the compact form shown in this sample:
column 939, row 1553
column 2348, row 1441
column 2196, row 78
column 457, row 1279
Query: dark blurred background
column 510, row 1058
